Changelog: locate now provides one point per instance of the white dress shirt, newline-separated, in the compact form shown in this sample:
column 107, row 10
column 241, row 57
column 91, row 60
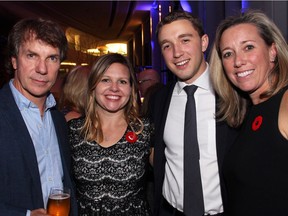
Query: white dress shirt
column 174, row 139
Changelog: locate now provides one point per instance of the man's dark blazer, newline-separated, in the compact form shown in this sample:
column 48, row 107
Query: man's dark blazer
column 20, row 186
column 159, row 106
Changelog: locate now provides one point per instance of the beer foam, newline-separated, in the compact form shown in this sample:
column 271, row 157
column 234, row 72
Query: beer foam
column 59, row 196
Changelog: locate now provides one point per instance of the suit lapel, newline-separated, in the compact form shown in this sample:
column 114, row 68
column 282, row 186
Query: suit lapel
column 166, row 103
column 15, row 121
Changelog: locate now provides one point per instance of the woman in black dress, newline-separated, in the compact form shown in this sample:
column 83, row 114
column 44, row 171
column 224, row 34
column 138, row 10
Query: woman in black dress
column 249, row 65
column 111, row 145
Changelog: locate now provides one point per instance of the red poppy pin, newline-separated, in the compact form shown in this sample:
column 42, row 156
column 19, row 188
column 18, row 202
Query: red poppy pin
column 257, row 123
column 131, row 137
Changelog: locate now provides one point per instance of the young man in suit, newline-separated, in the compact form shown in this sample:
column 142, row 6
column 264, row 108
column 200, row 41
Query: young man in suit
column 34, row 150
column 183, row 43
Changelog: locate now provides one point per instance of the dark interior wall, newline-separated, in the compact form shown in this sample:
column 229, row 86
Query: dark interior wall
column 143, row 48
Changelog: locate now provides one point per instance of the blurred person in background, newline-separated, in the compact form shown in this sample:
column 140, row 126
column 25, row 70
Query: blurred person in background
column 146, row 79
column 74, row 91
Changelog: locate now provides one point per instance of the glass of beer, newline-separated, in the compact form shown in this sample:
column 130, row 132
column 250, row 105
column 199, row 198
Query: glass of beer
column 59, row 202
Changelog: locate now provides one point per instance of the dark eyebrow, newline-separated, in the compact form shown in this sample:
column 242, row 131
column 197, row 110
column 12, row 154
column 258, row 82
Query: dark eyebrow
column 56, row 55
column 185, row 35
column 30, row 51
column 180, row 36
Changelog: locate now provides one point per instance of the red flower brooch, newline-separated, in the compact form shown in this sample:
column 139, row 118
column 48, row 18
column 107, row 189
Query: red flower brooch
column 131, row 137
column 257, row 123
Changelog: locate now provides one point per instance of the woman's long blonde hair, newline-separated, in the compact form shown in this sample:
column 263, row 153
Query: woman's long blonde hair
column 233, row 103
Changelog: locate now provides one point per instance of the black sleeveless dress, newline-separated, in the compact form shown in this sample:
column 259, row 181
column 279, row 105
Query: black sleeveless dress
column 110, row 181
column 256, row 168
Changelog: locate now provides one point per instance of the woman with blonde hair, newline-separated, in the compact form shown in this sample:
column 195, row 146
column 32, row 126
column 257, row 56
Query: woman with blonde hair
column 249, row 65
column 111, row 145
column 73, row 97
column 234, row 103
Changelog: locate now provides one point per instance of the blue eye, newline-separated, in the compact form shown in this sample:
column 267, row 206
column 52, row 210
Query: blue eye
column 53, row 58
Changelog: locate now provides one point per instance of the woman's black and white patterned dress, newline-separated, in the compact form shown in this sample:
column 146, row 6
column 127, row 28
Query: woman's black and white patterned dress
column 110, row 181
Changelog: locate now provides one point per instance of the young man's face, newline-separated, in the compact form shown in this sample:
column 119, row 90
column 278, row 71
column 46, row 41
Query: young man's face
column 182, row 49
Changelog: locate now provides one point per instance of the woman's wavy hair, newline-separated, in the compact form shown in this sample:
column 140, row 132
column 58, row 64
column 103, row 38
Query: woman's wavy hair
column 233, row 103
column 92, row 129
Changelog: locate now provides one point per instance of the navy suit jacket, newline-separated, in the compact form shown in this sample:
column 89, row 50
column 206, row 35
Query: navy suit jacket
column 20, row 186
column 159, row 109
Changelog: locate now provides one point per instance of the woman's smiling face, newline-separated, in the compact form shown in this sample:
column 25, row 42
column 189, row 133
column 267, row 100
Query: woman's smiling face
column 114, row 89
column 246, row 58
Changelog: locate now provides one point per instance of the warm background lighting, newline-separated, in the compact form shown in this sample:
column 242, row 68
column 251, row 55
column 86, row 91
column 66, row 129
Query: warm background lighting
column 120, row 48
